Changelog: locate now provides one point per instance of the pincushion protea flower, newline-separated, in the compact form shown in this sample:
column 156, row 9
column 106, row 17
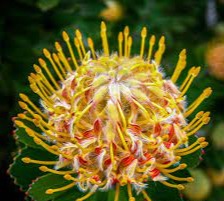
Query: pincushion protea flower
column 112, row 119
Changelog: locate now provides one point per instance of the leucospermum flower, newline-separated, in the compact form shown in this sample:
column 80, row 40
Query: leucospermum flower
column 112, row 120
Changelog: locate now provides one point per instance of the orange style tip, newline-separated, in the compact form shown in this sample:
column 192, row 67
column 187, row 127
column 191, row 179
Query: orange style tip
column 201, row 139
column 152, row 40
column 58, row 46
column 42, row 62
column 38, row 77
column 34, row 88
column 183, row 52
column 144, row 32
column 29, row 131
column 199, row 114
column 26, row 160
column 37, row 68
column 30, row 79
column 162, row 40
column 197, row 71
column 37, row 117
column 43, row 168
column 90, row 42
column 185, row 139
column 67, row 177
column 78, row 34
column 22, row 105
column 129, row 41
column 76, row 41
column 49, row 191
column 65, row 36
column 19, row 123
column 131, row 199
column 206, row 120
column 23, row 97
column 55, row 57
column 33, row 75
column 46, row 53
column 37, row 140
column 207, row 114
column 204, row 144
column 103, row 26
column 180, row 187
column 190, row 179
column 177, row 158
column 126, row 30
column 191, row 71
column 55, row 147
column 36, row 122
column 183, row 166
column 21, row 116
column 120, row 36
column 208, row 91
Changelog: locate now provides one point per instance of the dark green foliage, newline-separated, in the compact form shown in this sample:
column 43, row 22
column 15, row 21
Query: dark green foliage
column 159, row 192
column 23, row 173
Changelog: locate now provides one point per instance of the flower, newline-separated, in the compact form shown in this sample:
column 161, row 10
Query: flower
column 113, row 12
column 216, row 176
column 201, row 188
column 217, row 136
column 215, row 60
column 112, row 119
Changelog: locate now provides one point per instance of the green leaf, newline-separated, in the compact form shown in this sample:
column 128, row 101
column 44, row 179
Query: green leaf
column 73, row 194
column 46, row 5
column 192, row 160
column 160, row 192
column 23, row 173
column 48, row 181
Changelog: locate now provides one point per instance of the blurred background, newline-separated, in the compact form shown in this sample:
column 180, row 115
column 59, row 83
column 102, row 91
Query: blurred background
column 28, row 26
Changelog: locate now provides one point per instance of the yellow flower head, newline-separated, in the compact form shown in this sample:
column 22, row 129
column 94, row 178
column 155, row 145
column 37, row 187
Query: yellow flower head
column 112, row 119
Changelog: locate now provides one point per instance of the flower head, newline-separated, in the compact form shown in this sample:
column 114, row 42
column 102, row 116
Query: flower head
column 113, row 12
column 215, row 60
column 112, row 119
